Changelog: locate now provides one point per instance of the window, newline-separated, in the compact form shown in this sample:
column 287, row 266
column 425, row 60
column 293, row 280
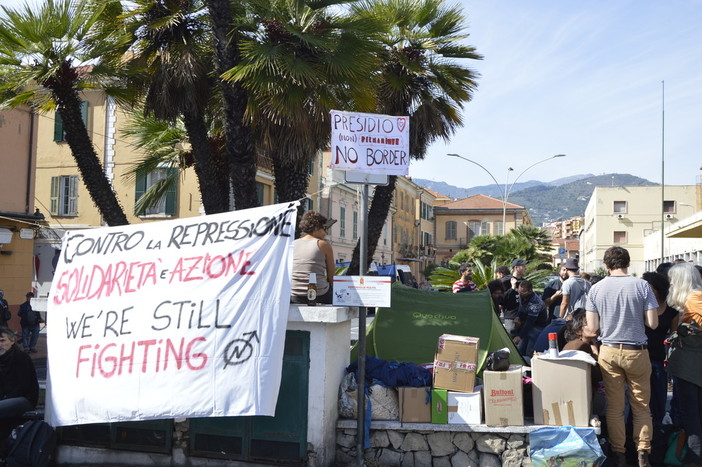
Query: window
column 473, row 229
column 669, row 207
column 64, row 195
column 619, row 206
column 59, row 134
column 484, row 228
column 619, row 236
column 451, row 230
column 424, row 211
column 355, row 225
column 158, row 179
column 259, row 193
column 498, row 228
column 342, row 222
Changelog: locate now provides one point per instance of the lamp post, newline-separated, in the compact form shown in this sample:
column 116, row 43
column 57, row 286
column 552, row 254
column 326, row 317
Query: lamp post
column 506, row 191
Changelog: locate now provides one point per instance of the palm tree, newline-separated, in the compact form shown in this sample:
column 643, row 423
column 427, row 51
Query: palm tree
column 542, row 241
column 48, row 56
column 170, row 58
column 419, row 77
column 241, row 153
column 301, row 62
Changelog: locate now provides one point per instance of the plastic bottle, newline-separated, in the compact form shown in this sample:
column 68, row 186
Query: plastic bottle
column 553, row 345
column 312, row 290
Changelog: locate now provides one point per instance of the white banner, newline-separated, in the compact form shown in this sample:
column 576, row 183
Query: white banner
column 370, row 143
column 182, row 318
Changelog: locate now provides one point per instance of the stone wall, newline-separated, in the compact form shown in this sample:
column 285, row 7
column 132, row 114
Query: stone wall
column 398, row 447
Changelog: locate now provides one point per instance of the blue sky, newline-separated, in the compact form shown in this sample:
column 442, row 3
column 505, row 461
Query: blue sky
column 581, row 78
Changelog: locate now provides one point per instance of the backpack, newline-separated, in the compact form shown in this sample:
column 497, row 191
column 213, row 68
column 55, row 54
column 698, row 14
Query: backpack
column 31, row 444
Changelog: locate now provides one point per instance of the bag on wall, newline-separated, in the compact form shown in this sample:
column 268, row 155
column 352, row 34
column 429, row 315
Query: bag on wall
column 677, row 448
column 565, row 446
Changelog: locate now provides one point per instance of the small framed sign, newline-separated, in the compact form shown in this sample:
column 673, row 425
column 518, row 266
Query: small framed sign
column 370, row 291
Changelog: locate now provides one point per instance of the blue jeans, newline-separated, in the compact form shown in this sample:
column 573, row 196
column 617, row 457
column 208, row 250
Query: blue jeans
column 14, row 407
column 30, row 336
column 659, row 392
column 526, row 345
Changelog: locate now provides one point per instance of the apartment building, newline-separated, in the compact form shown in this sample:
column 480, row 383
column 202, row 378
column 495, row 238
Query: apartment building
column 457, row 222
column 19, row 223
column 625, row 216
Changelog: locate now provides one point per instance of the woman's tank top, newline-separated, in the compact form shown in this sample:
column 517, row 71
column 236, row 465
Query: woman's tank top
column 307, row 258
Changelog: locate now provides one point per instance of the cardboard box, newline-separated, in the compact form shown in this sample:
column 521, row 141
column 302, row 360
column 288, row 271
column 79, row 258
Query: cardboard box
column 456, row 362
column 415, row 405
column 503, row 397
column 465, row 408
column 562, row 391
column 439, row 406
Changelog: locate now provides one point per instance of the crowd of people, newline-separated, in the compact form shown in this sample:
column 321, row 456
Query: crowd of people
column 643, row 333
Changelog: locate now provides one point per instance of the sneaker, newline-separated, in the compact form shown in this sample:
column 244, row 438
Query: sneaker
column 33, row 350
column 643, row 459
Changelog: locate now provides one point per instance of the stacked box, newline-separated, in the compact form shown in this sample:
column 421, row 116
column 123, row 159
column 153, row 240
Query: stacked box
column 503, row 396
column 415, row 405
column 562, row 391
column 439, row 406
column 456, row 362
column 465, row 408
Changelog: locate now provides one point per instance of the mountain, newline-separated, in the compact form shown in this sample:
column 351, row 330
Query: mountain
column 489, row 190
column 546, row 202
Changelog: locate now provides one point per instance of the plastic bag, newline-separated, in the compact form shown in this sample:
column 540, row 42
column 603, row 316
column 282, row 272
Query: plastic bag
column 565, row 446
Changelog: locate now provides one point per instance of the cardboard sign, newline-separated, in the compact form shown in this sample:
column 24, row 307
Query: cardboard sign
column 370, row 143
column 370, row 291
column 182, row 318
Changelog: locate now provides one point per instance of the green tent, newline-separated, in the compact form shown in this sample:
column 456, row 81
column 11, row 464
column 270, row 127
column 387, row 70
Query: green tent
column 409, row 331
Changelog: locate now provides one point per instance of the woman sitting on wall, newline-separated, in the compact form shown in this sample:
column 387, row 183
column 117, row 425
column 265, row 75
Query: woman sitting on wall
column 314, row 255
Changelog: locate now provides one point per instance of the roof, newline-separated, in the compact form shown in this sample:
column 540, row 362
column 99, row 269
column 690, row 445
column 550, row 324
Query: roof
column 436, row 194
column 478, row 202
column 690, row 227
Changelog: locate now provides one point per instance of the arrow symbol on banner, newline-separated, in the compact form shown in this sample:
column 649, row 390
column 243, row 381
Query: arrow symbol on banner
column 240, row 351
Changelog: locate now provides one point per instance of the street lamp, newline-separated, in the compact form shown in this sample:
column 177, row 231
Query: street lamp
column 506, row 191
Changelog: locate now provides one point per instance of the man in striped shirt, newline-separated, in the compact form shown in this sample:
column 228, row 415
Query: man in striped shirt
column 464, row 284
column 619, row 306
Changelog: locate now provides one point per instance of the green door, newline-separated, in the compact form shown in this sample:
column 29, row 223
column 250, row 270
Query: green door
column 278, row 439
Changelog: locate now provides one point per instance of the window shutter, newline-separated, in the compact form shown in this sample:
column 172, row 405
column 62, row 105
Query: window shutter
column 140, row 188
column 84, row 112
column 171, row 193
column 72, row 195
column 55, row 183
column 58, row 127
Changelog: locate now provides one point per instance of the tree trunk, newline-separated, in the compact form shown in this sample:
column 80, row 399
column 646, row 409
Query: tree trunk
column 291, row 180
column 213, row 198
column 89, row 165
column 378, row 212
column 241, row 152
